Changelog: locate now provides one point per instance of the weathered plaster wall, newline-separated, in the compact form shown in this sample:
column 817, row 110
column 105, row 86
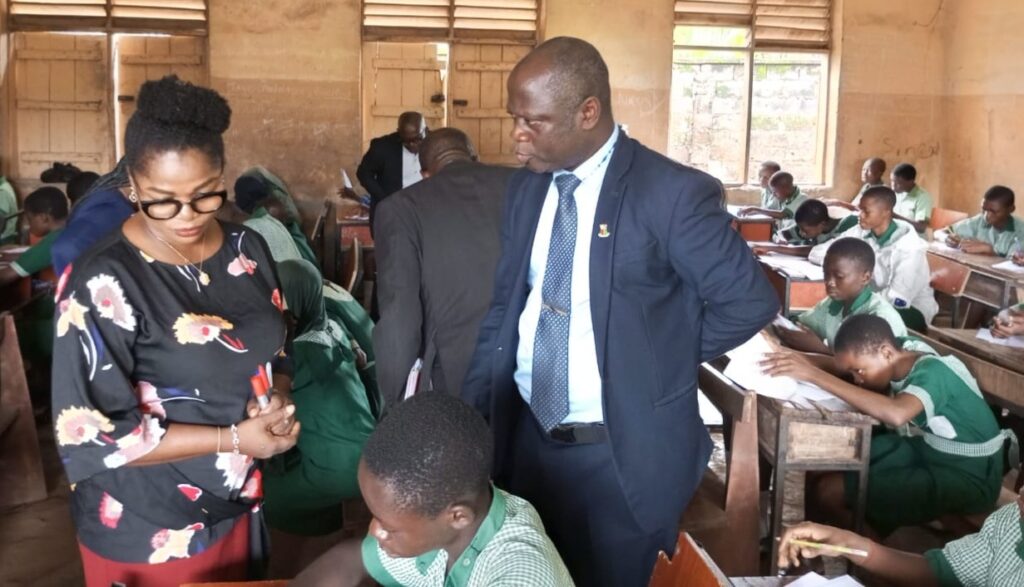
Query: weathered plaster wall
column 635, row 39
column 890, row 101
column 291, row 71
column 983, row 129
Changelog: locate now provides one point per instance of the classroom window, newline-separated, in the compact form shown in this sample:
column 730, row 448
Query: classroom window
column 749, row 83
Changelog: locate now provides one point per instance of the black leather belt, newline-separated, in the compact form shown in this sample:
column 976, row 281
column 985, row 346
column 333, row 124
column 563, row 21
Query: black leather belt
column 589, row 433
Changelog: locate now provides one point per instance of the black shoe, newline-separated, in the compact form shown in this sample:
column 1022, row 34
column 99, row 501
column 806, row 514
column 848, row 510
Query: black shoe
column 59, row 173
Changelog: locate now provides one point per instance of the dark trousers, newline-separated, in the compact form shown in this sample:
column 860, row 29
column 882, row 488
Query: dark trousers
column 576, row 490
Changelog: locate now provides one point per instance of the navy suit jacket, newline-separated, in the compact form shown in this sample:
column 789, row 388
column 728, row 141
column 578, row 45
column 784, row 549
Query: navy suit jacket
column 671, row 286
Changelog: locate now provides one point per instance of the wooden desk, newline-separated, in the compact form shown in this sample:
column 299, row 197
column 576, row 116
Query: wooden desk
column 752, row 228
column 999, row 370
column 355, row 228
column 796, row 440
column 795, row 293
column 21, row 465
column 962, row 275
column 15, row 294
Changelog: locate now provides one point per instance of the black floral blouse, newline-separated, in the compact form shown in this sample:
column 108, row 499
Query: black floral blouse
column 141, row 344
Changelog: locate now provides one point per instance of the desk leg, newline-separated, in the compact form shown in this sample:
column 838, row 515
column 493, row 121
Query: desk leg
column 861, row 507
column 742, row 502
column 778, row 493
column 956, row 312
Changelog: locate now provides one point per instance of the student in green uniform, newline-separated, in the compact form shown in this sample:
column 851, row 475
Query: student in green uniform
column 46, row 212
column 872, row 173
column 786, row 198
column 913, row 204
column 814, row 226
column 8, row 206
column 996, row 231
column 764, row 175
column 849, row 266
column 943, row 451
column 437, row 520
column 902, row 274
column 993, row 557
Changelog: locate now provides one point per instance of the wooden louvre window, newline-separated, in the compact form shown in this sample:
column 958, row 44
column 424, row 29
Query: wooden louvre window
column 775, row 24
column 469, row 19
column 117, row 15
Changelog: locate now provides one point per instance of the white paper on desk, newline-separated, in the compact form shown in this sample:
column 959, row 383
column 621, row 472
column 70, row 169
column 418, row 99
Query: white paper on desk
column 786, row 324
column 1016, row 342
column 735, row 211
column 14, row 249
column 844, row 581
column 345, row 181
column 743, row 368
column 811, row 579
column 1009, row 266
column 942, row 246
column 794, row 266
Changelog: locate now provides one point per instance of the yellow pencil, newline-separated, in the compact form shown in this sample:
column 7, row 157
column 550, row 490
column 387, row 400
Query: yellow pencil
column 839, row 549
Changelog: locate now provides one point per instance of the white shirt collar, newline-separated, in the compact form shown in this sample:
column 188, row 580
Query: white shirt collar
column 588, row 167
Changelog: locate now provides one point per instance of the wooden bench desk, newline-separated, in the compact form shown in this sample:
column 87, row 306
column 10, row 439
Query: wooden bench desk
column 752, row 228
column 21, row 465
column 972, row 277
column 795, row 292
column 998, row 369
column 796, row 439
column 15, row 294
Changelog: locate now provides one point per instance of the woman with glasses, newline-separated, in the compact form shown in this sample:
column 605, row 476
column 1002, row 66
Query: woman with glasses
column 169, row 339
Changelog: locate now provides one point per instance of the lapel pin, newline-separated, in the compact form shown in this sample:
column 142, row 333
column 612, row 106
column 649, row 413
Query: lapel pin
column 602, row 231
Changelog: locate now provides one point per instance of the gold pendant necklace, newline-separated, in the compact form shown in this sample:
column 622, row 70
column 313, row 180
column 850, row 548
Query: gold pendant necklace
column 204, row 277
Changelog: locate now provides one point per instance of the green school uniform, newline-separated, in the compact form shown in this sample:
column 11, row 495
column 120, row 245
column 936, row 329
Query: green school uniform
column 1003, row 240
column 992, row 557
column 509, row 548
column 303, row 490
column 768, row 199
column 825, row 318
column 856, row 199
column 794, row 236
column 947, row 460
column 8, row 206
column 35, row 322
column 914, row 205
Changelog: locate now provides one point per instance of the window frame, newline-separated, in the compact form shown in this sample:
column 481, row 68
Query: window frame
column 750, row 51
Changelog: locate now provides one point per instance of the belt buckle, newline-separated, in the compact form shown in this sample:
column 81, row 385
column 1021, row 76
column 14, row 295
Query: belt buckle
column 563, row 433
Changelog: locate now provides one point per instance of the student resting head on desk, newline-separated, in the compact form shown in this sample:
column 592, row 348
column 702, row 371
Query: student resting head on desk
column 437, row 519
column 996, row 231
column 848, row 267
column 813, row 225
column 992, row 557
column 901, row 274
column 913, row 204
column 941, row 452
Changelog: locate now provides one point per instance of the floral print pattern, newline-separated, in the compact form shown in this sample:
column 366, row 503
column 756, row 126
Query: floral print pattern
column 168, row 544
column 77, row 426
column 137, row 348
column 108, row 298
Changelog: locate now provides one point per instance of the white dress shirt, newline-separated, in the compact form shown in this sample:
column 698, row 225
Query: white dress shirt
column 410, row 168
column 584, row 375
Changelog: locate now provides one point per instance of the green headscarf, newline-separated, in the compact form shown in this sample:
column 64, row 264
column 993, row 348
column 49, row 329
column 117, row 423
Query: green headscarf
column 303, row 292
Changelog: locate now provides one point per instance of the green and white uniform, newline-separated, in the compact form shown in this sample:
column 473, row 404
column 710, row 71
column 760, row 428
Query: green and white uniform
column 825, row 318
column 914, row 205
column 1002, row 240
column 947, row 460
column 993, row 557
column 510, row 549
column 794, row 236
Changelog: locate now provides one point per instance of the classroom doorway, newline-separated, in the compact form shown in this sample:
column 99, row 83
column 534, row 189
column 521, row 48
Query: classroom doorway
column 399, row 77
column 140, row 58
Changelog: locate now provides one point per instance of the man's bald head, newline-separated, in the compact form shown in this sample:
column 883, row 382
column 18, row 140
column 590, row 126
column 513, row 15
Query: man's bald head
column 411, row 129
column 873, row 171
column 442, row 147
column 577, row 72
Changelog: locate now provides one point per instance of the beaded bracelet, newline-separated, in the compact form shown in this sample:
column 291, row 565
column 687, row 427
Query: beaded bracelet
column 234, row 439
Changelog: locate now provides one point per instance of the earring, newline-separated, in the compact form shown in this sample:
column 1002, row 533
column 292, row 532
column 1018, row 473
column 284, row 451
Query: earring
column 132, row 196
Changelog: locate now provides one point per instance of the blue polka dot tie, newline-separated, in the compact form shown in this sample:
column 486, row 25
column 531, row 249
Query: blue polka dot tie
column 549, row 395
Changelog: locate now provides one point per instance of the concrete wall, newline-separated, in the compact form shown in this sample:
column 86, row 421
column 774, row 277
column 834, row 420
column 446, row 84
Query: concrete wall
column 983, row 130
column 291, row 71
column 891, row 85
column 635, row 39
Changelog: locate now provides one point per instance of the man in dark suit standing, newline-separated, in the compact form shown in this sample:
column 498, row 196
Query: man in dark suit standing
column 391, row 163
column 437, row 245
column 619, row 275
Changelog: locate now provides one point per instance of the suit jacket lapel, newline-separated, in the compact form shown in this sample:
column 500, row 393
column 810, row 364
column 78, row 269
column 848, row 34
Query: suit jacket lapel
column 533, row 192
column 602, row 243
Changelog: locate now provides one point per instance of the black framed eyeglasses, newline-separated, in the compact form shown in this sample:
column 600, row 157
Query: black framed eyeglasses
column 204, row 203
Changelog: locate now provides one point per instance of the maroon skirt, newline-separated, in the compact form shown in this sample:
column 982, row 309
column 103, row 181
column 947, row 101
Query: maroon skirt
column 225, row 560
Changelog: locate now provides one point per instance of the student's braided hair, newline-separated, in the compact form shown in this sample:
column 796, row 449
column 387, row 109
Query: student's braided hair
column 431, row 450
column 174, row 115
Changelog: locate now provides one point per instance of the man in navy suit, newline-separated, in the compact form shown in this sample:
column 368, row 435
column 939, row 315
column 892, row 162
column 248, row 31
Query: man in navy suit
column 619, row 275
